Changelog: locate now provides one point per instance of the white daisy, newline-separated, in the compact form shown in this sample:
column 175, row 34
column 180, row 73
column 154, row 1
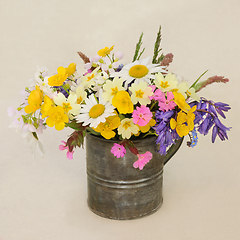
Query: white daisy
column 139, row 71
column 93, row 112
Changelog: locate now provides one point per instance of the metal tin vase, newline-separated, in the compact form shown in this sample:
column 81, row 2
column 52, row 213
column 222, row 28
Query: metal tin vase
column 117, row 190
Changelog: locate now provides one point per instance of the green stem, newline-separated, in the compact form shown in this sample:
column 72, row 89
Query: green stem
column 64, row 87
column 193, row 85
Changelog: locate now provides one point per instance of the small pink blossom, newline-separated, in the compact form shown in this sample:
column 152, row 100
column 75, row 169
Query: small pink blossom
column 143, row 159
column 158, row 95
column 63, row 147
column 118, row 150
column 166, row 104
column 118, row 55
column 142, row 115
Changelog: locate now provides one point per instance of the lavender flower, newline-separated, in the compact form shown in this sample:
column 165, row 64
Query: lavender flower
column 220, row 107
column 163, row 130
column 206, row 125
column 220, row 130
column 207, row 117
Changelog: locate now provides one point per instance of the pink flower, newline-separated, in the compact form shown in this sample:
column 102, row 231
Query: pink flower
column 143, row 159
column 166, row 104
column 63, row 147
column 142, row 115
column 153, row 87
column 118, row 150
column 158, row 95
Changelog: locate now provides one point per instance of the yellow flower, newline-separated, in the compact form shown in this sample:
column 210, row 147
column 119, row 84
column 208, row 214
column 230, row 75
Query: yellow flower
column 180, row 126
column 34, row 100
column 166, row 83
column 48, row 103
column 105, row 51
column 191, row 117
column 106, row 128
column 57, row 117
column 111, row 88
column 122, row 102
column 127, row 128
column 59, row 78
column 184, row 123
column 71, row 69
column 180, row 101
column 141, row 93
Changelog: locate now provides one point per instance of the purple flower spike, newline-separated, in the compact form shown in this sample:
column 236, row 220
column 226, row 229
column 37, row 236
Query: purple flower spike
column 220, row 107
column 220, row 130
column 206, row 125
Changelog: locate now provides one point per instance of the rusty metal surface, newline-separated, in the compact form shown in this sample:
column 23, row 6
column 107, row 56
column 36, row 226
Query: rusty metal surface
column 116, row 190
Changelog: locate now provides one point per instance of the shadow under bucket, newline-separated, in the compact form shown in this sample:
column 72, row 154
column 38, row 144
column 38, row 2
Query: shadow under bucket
column 117, row 190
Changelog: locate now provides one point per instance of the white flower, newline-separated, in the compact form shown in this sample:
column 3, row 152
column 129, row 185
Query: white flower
column 118, row 56
column 141, row 93
column 88, row 80
column 81, row 94
column 107, row 65
column 191, row 92
column 182, row 88
column 139, row 70
column 37, row 127
column 69, row 104
column 35, row 144
column 93, row 112
column 18, row 122
column 93, row 62
column 111, row 88
column 167, row 83
column 127, row 128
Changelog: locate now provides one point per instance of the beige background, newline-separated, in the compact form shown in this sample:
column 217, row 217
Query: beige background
column 45, row 199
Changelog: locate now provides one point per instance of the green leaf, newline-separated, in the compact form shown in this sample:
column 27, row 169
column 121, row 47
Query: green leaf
column 138, row 46
column 76, row 126
column 193, row 85
column 157, row 48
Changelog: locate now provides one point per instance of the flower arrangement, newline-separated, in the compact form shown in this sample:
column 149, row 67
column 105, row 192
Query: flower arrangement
column 122, row 102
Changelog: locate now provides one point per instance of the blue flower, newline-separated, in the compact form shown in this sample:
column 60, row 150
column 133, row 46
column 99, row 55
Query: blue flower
column 194, row 138
column 220, row 130
column 220, row 107
column 163, row 130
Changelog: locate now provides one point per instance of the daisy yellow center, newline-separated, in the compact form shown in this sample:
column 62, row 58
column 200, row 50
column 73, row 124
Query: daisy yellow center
column 126, row 125
column 67, row 107
column 96, row 111
column 138, row 71
column 164, row 84
column 139, row 93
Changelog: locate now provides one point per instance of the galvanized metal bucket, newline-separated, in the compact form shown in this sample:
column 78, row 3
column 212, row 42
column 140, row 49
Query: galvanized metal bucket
column 117, row 190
